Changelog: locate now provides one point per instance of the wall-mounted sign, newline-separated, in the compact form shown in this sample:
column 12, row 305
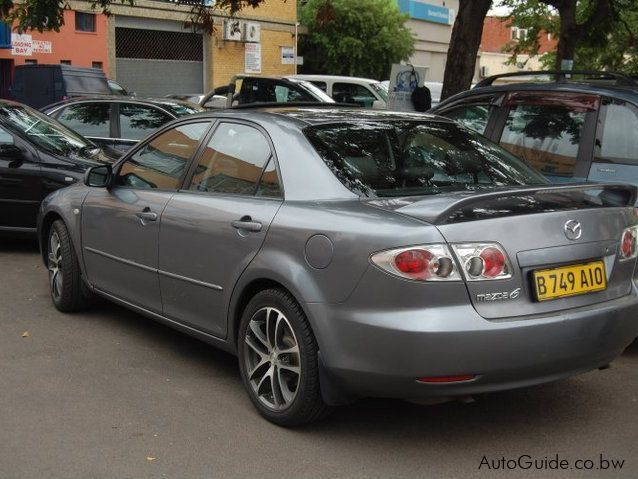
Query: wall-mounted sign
column 427, row 12
column 287, row 56
column 252, row 58
column 24, row 45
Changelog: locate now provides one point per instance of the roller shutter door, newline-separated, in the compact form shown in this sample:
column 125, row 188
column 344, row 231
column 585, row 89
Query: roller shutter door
column 156, row 63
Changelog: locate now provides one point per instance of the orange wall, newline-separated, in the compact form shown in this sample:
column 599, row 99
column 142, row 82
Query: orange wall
column 497, row 33
column 82, row 48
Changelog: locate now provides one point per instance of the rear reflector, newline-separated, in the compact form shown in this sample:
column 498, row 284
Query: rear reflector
column 446, row 379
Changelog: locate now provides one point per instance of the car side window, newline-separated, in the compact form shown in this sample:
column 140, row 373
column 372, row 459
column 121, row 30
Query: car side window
column 162, row 162
column 137, row 121
column 618, row 140
column 234, row 161
column 546, row 137
column 88, row 119
column 474, row 117
column 6, row 138
column 352, row 93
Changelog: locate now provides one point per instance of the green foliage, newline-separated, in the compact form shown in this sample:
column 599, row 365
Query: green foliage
column 354, row 37
column 49, row 14
column 608, row 45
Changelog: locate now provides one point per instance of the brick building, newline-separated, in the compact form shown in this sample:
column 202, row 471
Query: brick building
column 498, row 33
column 149, row 50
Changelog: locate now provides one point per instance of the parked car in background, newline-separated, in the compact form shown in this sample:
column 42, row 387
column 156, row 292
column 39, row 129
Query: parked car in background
column 435, row 88
column 364, row 92
column 573, row 126
column 37, row 156
column 118, row 123
column 40, row 85
column 117, row 89
column 343, row 253
column 195, row 98
column 249, row 90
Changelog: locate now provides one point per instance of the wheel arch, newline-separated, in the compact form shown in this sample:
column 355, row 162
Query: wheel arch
column 43, row 232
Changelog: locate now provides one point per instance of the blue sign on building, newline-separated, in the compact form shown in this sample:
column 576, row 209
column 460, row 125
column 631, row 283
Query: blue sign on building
column 5, row 35
column 424, row 11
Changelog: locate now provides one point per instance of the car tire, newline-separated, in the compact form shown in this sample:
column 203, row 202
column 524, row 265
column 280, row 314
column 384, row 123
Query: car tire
column 278, row 360
column 68, row 291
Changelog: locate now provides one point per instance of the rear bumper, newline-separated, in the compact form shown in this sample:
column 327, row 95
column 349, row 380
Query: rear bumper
column 368, row 353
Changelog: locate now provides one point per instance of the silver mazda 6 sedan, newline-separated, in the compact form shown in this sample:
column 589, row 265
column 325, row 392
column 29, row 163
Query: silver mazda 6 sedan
column 343, row 253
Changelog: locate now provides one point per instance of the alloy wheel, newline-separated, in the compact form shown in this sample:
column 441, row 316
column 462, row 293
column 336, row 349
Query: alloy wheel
column 272, row 359
column 55, row 265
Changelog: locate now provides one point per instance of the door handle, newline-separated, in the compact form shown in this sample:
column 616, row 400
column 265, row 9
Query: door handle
column 246, row 223
column 146, row 215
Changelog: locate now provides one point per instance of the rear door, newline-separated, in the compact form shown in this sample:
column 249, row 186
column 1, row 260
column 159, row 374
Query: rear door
column 551, row 131
column 213, row 228
column 120, row 225
column 616, row 148
column 20, row 184
column 135, row 122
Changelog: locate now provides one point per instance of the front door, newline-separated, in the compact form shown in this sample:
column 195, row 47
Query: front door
column 20, row 184
column 213, row 228
column 120, row 225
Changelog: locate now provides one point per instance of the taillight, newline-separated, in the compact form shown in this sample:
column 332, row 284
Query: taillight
column 483, row 261
column 628, row 247
column 419, row 263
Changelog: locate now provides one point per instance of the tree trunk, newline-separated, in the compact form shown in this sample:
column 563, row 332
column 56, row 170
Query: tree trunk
column 464, row 46
column 568, row 33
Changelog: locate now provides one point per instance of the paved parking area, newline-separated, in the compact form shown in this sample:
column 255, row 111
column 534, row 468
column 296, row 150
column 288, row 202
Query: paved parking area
column 110, row 394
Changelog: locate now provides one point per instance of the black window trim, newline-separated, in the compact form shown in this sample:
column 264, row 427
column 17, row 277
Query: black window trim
column 141, row 144
column 195, row 161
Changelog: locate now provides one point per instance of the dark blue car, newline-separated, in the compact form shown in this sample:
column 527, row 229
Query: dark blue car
column 578, row 126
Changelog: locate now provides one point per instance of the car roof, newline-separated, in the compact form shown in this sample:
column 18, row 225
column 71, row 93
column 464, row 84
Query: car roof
column 628, row 93
column 310, row 115
column 165, row 101
column 342, row 78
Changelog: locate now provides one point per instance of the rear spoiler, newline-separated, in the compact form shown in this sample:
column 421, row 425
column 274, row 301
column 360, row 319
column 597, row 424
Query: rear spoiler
column 439, row 210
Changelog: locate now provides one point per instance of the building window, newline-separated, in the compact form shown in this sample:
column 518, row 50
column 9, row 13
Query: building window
column 97, row 65
column 519, row 33
column 84, row 22
column 31, row 62
column 65, row 62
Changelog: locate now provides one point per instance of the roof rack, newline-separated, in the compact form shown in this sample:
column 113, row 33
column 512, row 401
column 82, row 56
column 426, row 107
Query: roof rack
column 561, row 76
column 293, row 104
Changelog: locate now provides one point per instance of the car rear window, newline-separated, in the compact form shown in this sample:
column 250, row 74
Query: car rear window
column 405, row 158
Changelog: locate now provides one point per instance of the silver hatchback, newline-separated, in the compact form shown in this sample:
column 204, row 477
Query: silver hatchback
column 343, row 253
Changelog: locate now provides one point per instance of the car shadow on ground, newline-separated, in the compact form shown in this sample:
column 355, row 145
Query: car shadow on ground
column 537, row 406
column 570, row 400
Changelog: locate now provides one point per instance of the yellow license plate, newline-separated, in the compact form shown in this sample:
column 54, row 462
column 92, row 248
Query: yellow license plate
column 569, row 280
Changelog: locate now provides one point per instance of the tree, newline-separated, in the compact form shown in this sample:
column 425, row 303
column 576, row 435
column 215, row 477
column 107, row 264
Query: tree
column 49, row 14
column 354, row 37
column 578, row 24
column 464, row 46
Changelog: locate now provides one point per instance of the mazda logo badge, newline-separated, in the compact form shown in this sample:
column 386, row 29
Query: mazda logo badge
column 573, row 230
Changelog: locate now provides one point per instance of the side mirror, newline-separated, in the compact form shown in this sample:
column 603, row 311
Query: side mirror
column 11, row 152
column 99, row 176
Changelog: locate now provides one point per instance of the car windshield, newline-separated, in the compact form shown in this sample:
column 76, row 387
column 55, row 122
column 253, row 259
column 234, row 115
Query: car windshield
column 42, row 130
column 317, row 92
column 381, row 90
column 406, row 158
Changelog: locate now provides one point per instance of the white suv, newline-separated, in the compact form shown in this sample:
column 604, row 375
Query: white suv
column 362, row 91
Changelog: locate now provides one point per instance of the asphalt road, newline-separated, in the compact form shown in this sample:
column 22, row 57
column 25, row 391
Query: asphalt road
column 110, row 394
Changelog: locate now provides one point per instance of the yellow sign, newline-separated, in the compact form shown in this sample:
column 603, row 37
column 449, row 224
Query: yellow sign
column 569, row 280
